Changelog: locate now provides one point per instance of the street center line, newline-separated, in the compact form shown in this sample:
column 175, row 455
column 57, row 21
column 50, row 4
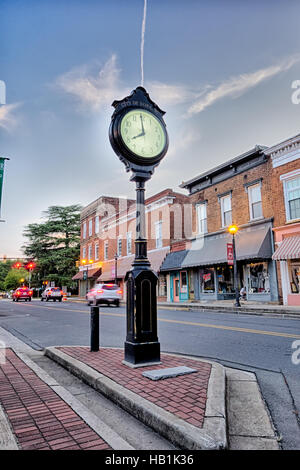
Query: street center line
column 188, row 323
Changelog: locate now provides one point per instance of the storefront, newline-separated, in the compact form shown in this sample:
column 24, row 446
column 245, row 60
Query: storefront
column 204, row 274
column 287, row 255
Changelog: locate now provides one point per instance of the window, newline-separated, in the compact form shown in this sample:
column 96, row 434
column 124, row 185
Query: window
column 207, row 280
column 84, row 231
column 258, row 278
column 295, row 278
column 119, row 246
column 90, row 251
column 97, row 251
column 255, row 204
column 97, row 224
column 106, row 250
column 129, row 243
column 183, row 282
column 158, row 234
column 84, row 252
column 292, row 198
column 90, row 228
column 202, row 218
column 226, row 210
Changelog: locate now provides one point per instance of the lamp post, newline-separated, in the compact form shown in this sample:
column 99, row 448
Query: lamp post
column 86, row 263
column 116, row 269
column 233, row 229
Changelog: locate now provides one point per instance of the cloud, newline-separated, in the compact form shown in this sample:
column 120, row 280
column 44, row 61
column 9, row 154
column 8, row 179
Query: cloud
column 169, row 95
column 93, row 91
column 7, row 119
column 236, row 86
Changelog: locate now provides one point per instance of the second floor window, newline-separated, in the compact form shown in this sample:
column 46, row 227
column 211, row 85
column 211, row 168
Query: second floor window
column 97, row 251
column 90, row 228
column 119, row 246
column 97, row 224
column 226, row 210
column 255, row 204
column 292, row 198
column 201, row 218
column 129, row 243
column 90, row 251
column 106, row 250
column 158, row 234
column 84, row 231
column 84, row 252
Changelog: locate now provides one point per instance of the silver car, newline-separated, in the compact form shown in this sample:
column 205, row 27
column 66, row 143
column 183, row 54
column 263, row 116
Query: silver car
column 109, row 294
column 52, row 293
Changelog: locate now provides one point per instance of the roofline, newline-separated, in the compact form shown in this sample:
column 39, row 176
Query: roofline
column 257, row 148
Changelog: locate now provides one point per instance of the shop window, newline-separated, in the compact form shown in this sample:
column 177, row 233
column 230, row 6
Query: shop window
column 258, row 278
column 202, row 218
column 183, row 282
column 207, row 280
column 255, row 203
column 162, row 285
column 295, row 278
column 292, row 198
column 226, row 210
column 225, row 279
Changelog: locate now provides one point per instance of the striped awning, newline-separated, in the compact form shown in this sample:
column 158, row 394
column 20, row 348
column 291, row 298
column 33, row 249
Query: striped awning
column 289, row 249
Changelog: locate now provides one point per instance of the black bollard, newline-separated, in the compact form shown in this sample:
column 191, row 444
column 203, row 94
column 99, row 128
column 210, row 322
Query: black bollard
column 94, row 328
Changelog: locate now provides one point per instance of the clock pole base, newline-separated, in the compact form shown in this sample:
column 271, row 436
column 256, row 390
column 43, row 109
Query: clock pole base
column 141, row 354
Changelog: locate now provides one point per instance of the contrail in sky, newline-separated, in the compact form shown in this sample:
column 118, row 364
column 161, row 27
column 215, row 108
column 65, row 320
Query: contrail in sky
column 143, row 42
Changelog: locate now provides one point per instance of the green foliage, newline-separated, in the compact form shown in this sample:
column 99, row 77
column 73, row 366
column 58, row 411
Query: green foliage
column 5, row 267
column 13, row 278
column 55, row 245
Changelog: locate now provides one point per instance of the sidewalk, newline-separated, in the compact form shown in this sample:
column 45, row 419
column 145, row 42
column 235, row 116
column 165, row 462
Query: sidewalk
column 248, row 307
column 212, row 408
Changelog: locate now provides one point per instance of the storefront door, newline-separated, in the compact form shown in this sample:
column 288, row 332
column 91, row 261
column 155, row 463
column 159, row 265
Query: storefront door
column 176, row 289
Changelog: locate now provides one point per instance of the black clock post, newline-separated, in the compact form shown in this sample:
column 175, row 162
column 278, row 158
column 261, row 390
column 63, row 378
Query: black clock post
column 141, row 346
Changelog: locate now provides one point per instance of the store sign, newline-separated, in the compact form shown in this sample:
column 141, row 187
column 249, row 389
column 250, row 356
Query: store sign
column 206, row 277
column 229, row 253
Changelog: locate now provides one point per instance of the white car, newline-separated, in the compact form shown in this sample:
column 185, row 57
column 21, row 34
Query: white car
column 105, row 294
column 52, row 293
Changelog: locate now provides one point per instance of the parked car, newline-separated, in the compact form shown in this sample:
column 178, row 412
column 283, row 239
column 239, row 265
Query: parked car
column 52, row 293
column 105, row 294
column 22, row 293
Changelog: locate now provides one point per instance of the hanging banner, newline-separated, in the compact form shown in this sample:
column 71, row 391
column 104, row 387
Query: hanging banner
column 229, row 253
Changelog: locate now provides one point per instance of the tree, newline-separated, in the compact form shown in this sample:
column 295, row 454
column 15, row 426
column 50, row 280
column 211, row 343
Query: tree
column 5, row 267
column 55, row 245
column 13, row 278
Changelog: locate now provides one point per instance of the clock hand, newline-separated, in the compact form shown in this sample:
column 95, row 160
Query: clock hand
column 143, row 130
column 139, row 135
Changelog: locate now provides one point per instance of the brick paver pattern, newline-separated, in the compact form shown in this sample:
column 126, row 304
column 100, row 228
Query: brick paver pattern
column 185, row 396
column 40, row 419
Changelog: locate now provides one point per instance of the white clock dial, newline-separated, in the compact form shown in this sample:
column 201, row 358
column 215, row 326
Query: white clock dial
column 143, row 133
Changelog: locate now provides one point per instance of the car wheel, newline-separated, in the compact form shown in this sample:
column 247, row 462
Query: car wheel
column 17, row 300
column 13, row 300
column 117, row 304
column 60, row 299
column 42, row 299
column 47, row 299
column 29, row 300
column 54, row 300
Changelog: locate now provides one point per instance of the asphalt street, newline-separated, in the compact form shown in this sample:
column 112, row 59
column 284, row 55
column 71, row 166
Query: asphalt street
column 263, row 345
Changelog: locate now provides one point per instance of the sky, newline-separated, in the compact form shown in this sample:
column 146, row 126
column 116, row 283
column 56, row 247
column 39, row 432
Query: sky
column 222, row 70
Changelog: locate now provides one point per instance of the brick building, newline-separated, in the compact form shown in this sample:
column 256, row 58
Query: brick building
column 108, row 228
column 238, row 191
column 284, row 163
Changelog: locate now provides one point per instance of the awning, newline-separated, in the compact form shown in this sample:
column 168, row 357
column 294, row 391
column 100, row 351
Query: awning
column 251, row 243
column 289, row 249
column 92, row 273
column 155, row 257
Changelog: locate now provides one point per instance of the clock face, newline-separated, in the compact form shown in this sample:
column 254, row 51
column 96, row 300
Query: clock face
column 142, row 133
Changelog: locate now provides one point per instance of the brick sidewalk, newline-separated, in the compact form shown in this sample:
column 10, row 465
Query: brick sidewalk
column 184, row 396
column 39, row 418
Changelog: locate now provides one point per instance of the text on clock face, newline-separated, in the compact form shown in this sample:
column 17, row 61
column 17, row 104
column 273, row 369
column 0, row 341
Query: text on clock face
column 142, row 133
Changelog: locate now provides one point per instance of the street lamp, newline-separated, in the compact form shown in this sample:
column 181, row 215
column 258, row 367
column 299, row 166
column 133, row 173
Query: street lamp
column 233, row 229
column 85, row 262
column 116, row 268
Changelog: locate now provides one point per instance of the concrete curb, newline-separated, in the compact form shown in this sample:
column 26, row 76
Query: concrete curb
column 211, row 437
